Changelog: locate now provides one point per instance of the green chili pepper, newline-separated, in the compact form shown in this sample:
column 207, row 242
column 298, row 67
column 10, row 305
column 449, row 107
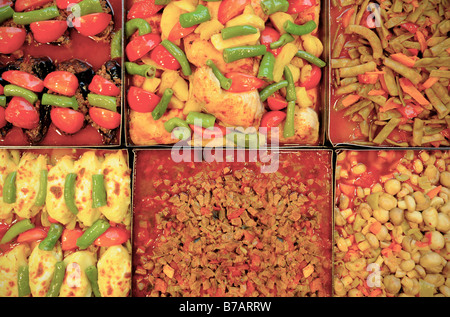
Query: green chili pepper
column 16, row 229
column 92, row 275
column 271, row 89
column 133, row 25
column 87, row 7
column 238, row 30
column 59, row 101
column 144, row 70
column 290, row 89
column 13, row 90
column 2, row 101
column 69, row 192
column 42, row 193
column 179, row 56
column 52, row 237
column 289, row 124
column 9, row 188
column 296, row 29
column 283, row 40
column 36, row 15
column 199, row 15
column 57, row 280
column 272, row 6
column 23, row 281
column 98, row 191
column 311, row 58
column 161, row 107
column 162, row 2
column 116, row 44
column 225, row 83
column 176, row 122
column 6, row 13
column 266, row 66
column 101, row 101
column 204, row 120
column 235, row 53
column 92, row 233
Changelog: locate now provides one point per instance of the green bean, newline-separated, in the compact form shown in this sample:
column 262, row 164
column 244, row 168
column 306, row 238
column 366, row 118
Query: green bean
column 266, row 66
column 271, row 89
column 6, row 13
column 98, row 191
column 144, row 70
column 283, row 40
column 2, row 101
column 101, row 101
column 370, row 36
column 92, row 275
column 23, row 281
column 162, row 105
column 181, row 127
column 354, row 71
column 179, row 56
column 9, row 188
column 36, row 15
column 403, row 70
column 59, row 101
column 237, row 30
column 297, row 29
column 162, row 2
column 232, row 54
column 289, row 124
column 92, row 233
column 272, row 6
column 16, row 229
column 57, row 279
column 387, row 129
column 52, row 237
column 13, row 90
column 42, row 193
column 86, row 7
column 311, row 58
column 291, row 95
column 244, row 140
column 133, row 25
column 225, row 83
column 204, row 120
column 200, row 15
column 69, row 192
column 116, row 44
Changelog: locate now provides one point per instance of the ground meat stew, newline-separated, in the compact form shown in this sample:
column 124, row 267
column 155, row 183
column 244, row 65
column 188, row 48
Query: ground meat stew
column 225, row 229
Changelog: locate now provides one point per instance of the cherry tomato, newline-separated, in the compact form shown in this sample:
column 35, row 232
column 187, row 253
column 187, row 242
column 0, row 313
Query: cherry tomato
column 179, row 32
column 67, row 120
column 22, row 5
column 1, row 90
column 11, row 39
column 141, row 100
column 92, row 24
column 243, row 82
column 270, row 35
column 141, row 45
column 216, row 132
column 272, row 119
column 161, row 56
column 228, row 9
column 102, row 86
column 367, row 78
column 276, row 103
column 105, row 118
column 62, row 82
column 3, row 121
column 313, row 79
column 48, row 31
column 143, row 9
column 23, row 79
column 21, row 113
column 112, row 236
column 64, row 4
column 69, row 238
column 297, row 6
column 32, row 235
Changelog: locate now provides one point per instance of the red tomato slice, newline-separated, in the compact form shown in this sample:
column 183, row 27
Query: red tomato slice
column 11, row 39
column 228, row 9
column 270, row 35
column 102, row 86
column 23, row 79
column 3, row 121
column 63, row 4
column 48, row 31
column 1, row 90
column 22, row 5
column 69, row 238
column 92, row 24
column 6, row 3
column 162, row 57
column 313, row 79
column 216, row 132
column 272, row 119
column 105, row 118
column 67, row 120
column 141, row 100
column 243, row 82
column 32, row 235
column 297, row 6
column 21, row 113
column 141, row 45
column 112, row 236
column 275, row 103
column 143, row 9
column 62, row 82
column 179, row 32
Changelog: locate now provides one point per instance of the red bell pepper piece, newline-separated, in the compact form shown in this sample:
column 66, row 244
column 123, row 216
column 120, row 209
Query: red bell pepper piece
column 272, row 119
column 112, row 236
column 141, row 100
column 141, row 45
column 313, row 79
column 22, row 5
column 32, row 235
column 410, row 27
column 243, row 82
column 297, row 6
column 69, row 238
column 228, row 9
column 179, row 32
column 276, row 103
column 143, row 9
column 92, row 24
column 161, row 56
column 270, row 35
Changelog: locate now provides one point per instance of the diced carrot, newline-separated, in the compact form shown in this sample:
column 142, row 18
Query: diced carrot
column 396, row 247
column 376, row 92
column 348, row 190
column 386, row 251
column 448, row 50
column 409, row 89
column 422, row 41
column 347, row 16
column 375, row 227
column 403, row 59
column 349, row 100
column 430, row 82
column 375, row 292
column 432, row 193
column 389, row 105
